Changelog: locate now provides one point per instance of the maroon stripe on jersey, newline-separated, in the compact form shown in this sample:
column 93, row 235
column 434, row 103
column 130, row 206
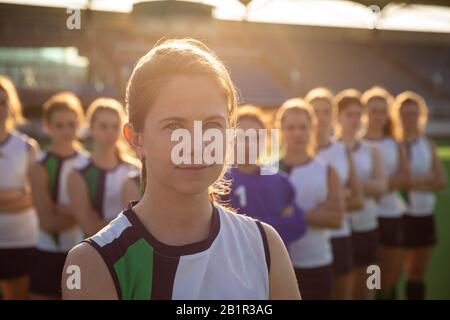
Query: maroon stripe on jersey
column 164, row 270
column 265, row 243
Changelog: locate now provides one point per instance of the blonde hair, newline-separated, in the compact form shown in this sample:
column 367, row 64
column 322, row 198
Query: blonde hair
column 177, row 57
column 400, row 101
column 377, row 92
column 322, row 93
column 299, row 105
column 15, row 116
column 342, row 100
column 319, row 93
column 64, row 100
column 252, row 112
column 112, row 105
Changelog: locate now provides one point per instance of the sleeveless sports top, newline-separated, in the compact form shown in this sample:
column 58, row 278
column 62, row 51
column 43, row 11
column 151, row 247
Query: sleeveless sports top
column 420, row 203
column 390, row 205
column 105, row 186
column 366, row 218
column 18, row 230
column 14, row 161
column 232, row 263
column 58, row 169
column 310, row 181
column 335, row 154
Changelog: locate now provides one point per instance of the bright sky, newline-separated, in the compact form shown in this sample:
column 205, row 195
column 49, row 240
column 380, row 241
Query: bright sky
column 340, row 13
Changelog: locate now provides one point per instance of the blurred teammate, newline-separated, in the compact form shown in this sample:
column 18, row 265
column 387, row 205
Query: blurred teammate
column 96, row 185
column 370, row 169
column 177, row 243
column 428, row 177
column 337, row 154
column 380, row 131
column 319, row 193
column 269, row 198
column 18, row 219
column 62, row 115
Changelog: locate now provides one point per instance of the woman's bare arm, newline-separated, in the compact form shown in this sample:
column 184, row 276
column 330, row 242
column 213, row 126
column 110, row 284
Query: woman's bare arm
column 282, row 280
column 355, row 196
column 435, row 181
column 377, row 184
column 87, row 218
column 95, row 280
column 400, row 180
column 49, row 219
column 329, row 214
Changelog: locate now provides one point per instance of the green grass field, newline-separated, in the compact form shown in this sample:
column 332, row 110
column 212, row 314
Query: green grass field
column 438, row 275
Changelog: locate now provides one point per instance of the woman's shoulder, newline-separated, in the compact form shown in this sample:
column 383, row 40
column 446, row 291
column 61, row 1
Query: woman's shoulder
column 111, row 232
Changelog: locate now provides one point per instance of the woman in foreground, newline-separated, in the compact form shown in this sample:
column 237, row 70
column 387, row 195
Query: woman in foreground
column 177, row 243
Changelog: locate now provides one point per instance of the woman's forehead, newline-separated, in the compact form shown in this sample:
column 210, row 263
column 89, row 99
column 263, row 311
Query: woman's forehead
column 190, row 97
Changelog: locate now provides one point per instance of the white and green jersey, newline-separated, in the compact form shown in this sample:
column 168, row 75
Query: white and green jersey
column 105, row 186
column 58, row 169
column 232, row 263
column 420, row 156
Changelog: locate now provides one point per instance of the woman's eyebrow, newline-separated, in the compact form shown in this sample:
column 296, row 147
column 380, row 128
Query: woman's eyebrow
column 176, row 119
column 180, row 119
column 216, row 117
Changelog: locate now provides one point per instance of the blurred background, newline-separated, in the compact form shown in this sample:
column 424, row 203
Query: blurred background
column 274, row 49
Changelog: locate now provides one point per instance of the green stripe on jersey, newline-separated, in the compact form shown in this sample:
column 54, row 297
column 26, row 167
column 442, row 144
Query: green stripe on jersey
column 51, row 166
column 92, row 175
column 134, row 271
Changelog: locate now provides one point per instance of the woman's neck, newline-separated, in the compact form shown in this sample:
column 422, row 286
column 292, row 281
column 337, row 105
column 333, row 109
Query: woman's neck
column 174, row 218
column 3, row 133
column 248, row 168
column 411, row 135
column 322, row 138
column 374, row 133
column 105, row 157
column 349, row 139
column 296, row 157
column 62, row 149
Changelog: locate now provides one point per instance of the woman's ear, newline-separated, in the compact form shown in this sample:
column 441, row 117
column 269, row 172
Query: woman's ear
column 134, row 138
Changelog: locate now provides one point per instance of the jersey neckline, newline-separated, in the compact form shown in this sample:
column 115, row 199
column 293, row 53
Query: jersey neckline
column 72, row 155
column 92, row 163
column 5, row 141
column 170, row 250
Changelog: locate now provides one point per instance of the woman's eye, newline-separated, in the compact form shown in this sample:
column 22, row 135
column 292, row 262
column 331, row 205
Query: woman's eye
column 172, row 126
column 212, row 125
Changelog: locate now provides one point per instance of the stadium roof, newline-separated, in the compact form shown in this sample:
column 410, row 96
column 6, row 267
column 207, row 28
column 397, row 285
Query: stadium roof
column 390, row 15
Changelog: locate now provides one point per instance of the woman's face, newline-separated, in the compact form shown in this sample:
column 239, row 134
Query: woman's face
column 62, row 126
column 409, row 116
column 180, row 102
column 296, row 130
column 377, row 113
column 4, row 107
column 251, row 141
column 350, row 119
column 324, row 114
column 106, row 128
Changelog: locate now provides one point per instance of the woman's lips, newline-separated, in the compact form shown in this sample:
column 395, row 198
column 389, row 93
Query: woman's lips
column 194, row 167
